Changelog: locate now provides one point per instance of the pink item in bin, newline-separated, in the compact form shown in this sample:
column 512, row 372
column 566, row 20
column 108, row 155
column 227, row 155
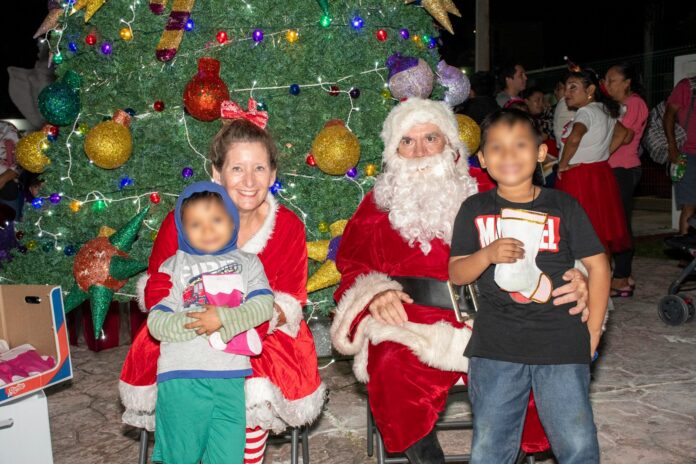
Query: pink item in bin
column 246, row 343
column 22, row 362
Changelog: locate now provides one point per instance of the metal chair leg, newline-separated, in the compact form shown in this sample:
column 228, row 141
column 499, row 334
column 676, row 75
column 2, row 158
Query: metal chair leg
column 370, row 432
column 142, row 455
column 294, row 444
column 531, row 459
column 381, row 453
column 305, row 445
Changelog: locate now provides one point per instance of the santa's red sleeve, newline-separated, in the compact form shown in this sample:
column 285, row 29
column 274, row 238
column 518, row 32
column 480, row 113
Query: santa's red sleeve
column 155, row 285
column 364, row 274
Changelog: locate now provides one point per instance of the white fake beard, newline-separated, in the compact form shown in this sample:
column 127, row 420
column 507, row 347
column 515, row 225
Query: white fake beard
column 423, row 196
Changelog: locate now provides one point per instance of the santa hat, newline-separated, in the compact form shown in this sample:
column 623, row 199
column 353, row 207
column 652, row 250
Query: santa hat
column 419, row 111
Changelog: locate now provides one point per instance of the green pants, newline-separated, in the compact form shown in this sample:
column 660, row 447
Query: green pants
column 200, row 420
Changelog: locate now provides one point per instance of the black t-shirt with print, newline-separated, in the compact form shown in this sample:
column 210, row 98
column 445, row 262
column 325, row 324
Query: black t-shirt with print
column 528, row 333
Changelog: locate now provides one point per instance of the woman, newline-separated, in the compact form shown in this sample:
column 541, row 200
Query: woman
column 583, row 170
column 285, row 389
column 622, row 83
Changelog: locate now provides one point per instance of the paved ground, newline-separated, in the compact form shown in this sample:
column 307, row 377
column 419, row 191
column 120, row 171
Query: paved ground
column 642, row 393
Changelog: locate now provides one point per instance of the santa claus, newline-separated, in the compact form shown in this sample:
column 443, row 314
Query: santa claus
column 393, row 260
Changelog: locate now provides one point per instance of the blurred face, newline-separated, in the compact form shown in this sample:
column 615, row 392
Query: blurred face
column 576, row 94
column 207, row 225
column 518, row 82
column 559, row 91
column 511, row 153
column 246, row 175
column 535, row 103
column 616, row 84
column 422, row 140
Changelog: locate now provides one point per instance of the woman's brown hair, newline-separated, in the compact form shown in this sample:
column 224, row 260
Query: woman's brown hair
column 241, row 131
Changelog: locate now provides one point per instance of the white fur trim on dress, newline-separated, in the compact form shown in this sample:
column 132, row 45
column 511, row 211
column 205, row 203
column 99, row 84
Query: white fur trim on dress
column 438, row 345
column 293, row 314
column 139, row 402
column 258, row 242
column 266, row 407
column 140, row 291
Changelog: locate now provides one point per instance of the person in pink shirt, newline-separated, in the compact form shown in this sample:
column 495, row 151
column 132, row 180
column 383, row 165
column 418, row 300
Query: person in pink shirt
column 682, row 106
column 622, row 83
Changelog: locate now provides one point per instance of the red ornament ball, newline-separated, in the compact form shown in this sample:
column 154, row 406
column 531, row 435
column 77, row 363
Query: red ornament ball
column 53, row 131
column 91, row 39
column 333, row 91
column 381, row 35
column 155, row 198
column 205, row 92
column 221, row 37
column 310, row 160
column 158, row 106
column 19, row 234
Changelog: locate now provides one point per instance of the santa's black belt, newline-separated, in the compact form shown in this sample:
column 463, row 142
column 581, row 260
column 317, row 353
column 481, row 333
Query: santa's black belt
column 440, row 294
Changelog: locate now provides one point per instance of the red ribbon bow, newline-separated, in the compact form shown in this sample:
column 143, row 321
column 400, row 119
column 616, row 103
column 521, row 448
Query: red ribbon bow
column 231, row 110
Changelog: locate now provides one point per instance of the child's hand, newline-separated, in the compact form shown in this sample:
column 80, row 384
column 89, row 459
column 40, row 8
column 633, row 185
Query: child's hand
column 504, row 250
column 207, row 321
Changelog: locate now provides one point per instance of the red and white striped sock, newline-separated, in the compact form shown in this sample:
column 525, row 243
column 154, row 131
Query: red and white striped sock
column 255, row 445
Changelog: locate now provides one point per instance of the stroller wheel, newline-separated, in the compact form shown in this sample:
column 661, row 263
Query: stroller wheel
column 673, row 309
column 690, row 303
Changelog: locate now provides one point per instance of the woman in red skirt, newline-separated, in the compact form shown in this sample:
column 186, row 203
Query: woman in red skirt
column 584, row 172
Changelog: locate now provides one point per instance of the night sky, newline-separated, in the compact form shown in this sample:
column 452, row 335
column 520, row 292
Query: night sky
column 535, row 33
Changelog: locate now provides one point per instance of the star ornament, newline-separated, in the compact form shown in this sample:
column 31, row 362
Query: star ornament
column 102, row 267
column 439, row 9
column 90, row 6
column 325, row 251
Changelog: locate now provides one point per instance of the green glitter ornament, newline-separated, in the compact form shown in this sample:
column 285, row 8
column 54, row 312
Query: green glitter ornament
column 59, row 103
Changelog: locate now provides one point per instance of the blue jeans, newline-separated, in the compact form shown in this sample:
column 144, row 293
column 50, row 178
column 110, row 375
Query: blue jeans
column 499, row 392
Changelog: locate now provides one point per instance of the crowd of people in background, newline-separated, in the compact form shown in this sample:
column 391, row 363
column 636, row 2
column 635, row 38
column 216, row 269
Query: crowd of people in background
column 593, row 125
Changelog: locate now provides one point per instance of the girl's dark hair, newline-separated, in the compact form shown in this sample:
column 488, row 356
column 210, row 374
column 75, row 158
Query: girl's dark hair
column 241, row 131
column 589, row 77
column 526, row 93
column 630, row 71
column 510, row 117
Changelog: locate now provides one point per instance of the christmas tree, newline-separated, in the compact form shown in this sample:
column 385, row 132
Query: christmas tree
column 126, row 139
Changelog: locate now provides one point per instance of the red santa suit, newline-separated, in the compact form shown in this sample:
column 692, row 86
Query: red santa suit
column 409, row 369
column 285, row 388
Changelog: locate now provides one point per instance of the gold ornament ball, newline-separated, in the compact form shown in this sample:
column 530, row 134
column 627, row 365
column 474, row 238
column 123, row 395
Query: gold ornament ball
column 292, row 35
column 469, row 133
column 126, row 34
column 371, row 170
column 386, row 94
column 29, row 152
column 153, row 235
column 31, row 245
column 75, row 206
column 109, row 144
column 323, row 227
column 336, row 149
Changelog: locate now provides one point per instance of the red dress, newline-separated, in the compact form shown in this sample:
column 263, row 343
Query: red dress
column 285, row 374
column 410, row 369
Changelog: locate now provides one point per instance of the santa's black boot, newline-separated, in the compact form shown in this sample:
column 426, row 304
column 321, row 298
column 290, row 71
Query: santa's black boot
column 427, row 450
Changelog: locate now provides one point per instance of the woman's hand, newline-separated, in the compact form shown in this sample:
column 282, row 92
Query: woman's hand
column 575, row 291
column 207, row 321
column 387, row 307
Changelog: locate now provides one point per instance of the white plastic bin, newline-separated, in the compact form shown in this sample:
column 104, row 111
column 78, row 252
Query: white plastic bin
column 25, row 436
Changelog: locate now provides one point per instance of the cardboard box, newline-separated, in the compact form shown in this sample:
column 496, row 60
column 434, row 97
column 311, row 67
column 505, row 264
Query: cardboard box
column 34, row 314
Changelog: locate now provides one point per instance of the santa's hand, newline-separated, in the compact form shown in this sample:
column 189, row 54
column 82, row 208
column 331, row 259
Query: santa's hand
column 573, row 292
column 387, row 307
column 504, row 250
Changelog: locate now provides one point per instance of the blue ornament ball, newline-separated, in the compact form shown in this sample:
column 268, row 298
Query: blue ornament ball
column 69, row 250
column 130, row 111
column 37, row 202
column 294, row 89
